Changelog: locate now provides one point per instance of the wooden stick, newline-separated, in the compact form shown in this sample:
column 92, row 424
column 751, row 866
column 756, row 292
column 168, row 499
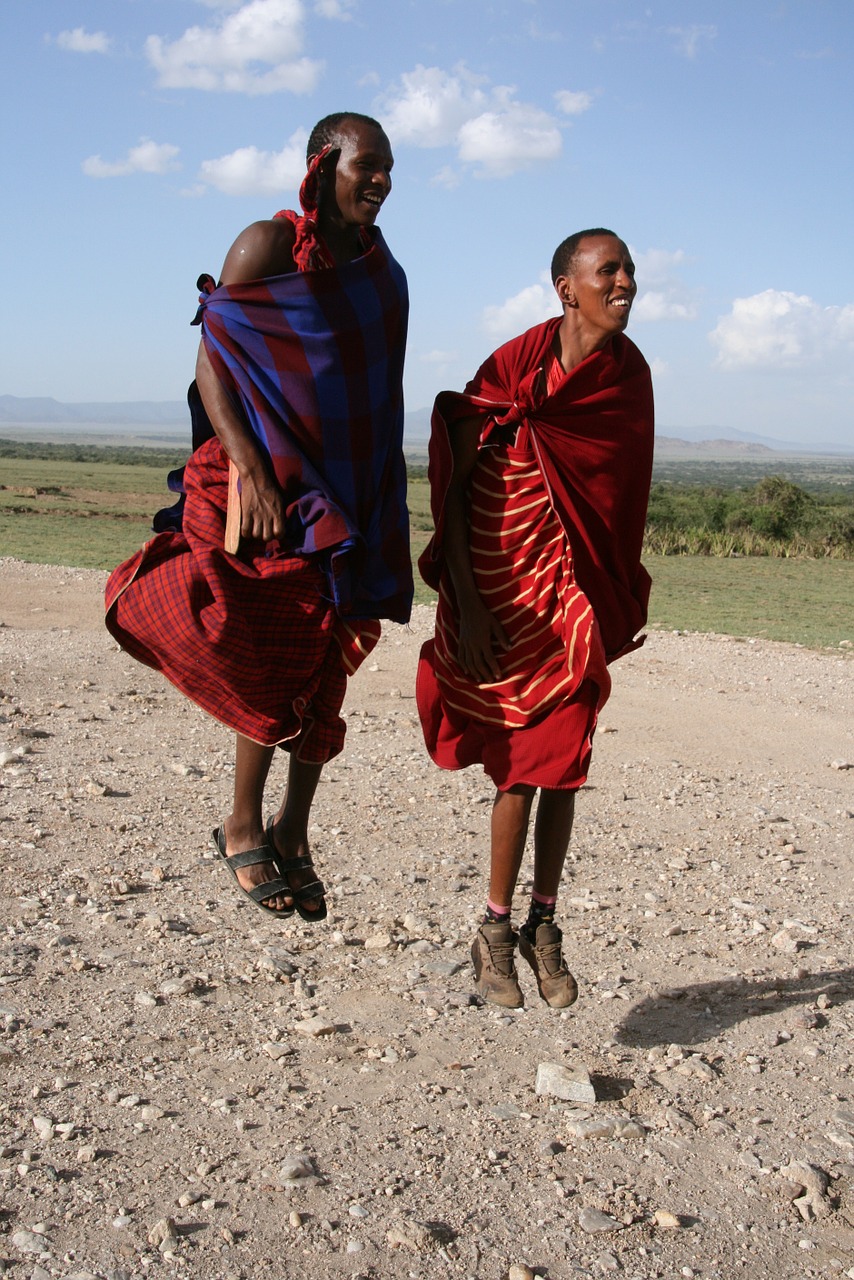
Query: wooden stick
column 232, row 518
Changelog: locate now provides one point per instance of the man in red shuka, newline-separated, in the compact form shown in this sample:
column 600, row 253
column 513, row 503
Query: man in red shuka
column 540, row 474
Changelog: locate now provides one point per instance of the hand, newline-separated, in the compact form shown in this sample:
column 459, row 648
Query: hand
column 262, row 511
column 480, row 635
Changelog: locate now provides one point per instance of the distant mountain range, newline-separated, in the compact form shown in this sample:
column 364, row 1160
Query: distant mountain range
column 100, row 416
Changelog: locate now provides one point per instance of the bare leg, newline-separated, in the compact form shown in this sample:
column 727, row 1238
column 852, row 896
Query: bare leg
column 552, row 829
column 290, row 826
column 244, row 829
column 511, row 811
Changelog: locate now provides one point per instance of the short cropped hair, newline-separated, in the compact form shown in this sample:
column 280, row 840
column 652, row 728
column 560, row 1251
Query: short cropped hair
column 327, row 129
column 563, row 260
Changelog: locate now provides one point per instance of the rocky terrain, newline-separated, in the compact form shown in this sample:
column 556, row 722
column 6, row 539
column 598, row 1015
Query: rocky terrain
column 191, row 1088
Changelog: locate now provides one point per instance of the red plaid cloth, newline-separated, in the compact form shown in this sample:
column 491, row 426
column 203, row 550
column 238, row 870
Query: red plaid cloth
column 252, row 639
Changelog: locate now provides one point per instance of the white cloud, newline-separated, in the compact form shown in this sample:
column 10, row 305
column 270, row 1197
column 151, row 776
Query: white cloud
column 249, row 171
column 255, row 50
column 336, row 9
column 656, row 305
column 573, row 103
column 522, row 311
column 147, row 157
column 777, row 329
column 500, row 143
column 658, row 367
column 491, row 131
column 438, row 357
column 657, row 266
column 670, row 299
column 429, row 106
column 80, row 41
column 689, row 39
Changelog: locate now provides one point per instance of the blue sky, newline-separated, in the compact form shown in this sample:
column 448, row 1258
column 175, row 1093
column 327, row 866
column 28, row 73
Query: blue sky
column 716, row 138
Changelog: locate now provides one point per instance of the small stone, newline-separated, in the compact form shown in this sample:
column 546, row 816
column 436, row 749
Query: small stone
column 276, row 1050
column 358, row 1211
column 152, row 1112
column 607, row 1262
column 145, row 1000
column 294, row 1219
column 570, row 1082
column 295, row 1168
column 412, row 1235
column 44, row 1127
column 314, row 1027
column 189, row 1197
column 378, row 942
column 841, row 764
column 785, row 940
column 29, row 1242
column 593, row 1220
column 519, row 1271
column 669, row 1221
column 179, row 986
column 163, row 1235
column 86, row 1155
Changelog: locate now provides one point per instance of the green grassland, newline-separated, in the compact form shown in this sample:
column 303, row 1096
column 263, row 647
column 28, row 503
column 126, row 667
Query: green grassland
column 784, row 568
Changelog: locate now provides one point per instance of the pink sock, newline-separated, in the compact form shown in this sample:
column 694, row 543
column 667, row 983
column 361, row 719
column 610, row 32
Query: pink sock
column 496, row 912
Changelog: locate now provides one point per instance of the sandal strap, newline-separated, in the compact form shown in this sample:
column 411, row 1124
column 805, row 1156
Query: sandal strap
column 270, row 889
column 251, row 857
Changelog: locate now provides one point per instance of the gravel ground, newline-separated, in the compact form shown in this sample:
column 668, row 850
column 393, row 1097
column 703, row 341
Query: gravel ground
column 194, row 1089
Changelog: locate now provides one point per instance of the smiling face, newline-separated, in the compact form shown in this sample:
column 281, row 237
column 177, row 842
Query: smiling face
column 599, row 287
column 362, row 176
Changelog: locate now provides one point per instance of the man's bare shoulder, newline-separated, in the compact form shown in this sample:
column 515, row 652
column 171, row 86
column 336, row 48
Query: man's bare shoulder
column 265, row 248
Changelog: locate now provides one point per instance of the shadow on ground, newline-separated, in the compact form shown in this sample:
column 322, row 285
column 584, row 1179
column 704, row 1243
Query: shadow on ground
column 692, row 1014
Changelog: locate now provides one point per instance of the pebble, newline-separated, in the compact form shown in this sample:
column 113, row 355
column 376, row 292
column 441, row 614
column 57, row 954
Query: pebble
column 314, row 1027
column 412, row 1235
column 179, row 986
column 163, row 1235
column 606, row 1127
column 669, row 1221
column 519, row 1271
column 593, row 1220
column 29, row 1242
column 145, row 1000
column 379, row 942
column 295, row 1168
column 559, row 1080
column 44, row 1127
column 841, row 764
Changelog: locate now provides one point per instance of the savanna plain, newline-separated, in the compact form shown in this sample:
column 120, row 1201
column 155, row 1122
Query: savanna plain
column 192, row 1088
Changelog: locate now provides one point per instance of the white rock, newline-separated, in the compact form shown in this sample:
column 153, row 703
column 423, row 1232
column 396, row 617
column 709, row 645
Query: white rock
column 412, row 1235
column 163, row 1235
column 593, row 1220
column 559, row 1080
column 520, row 1272
column 314, row 1027
column 378, row 942
column 44, row 1127
column 669, row 1221
column 29, row 1242
column 841, row 764
column 296, row 1167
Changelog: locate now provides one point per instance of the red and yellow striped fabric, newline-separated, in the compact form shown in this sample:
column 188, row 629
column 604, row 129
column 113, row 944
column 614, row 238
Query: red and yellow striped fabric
column 540, row 487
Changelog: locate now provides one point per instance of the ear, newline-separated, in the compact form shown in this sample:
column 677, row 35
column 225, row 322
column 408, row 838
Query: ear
column 564, row 290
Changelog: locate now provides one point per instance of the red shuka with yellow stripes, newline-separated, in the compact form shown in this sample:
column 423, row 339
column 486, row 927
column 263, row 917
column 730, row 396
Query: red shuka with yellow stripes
column 557, row 505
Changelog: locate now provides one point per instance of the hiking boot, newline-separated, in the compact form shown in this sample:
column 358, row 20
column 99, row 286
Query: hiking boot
column 543, row 953
column 494, row 967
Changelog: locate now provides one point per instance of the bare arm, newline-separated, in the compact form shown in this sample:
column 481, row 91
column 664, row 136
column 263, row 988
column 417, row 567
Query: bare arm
column 480, row 631
column 264, row 249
